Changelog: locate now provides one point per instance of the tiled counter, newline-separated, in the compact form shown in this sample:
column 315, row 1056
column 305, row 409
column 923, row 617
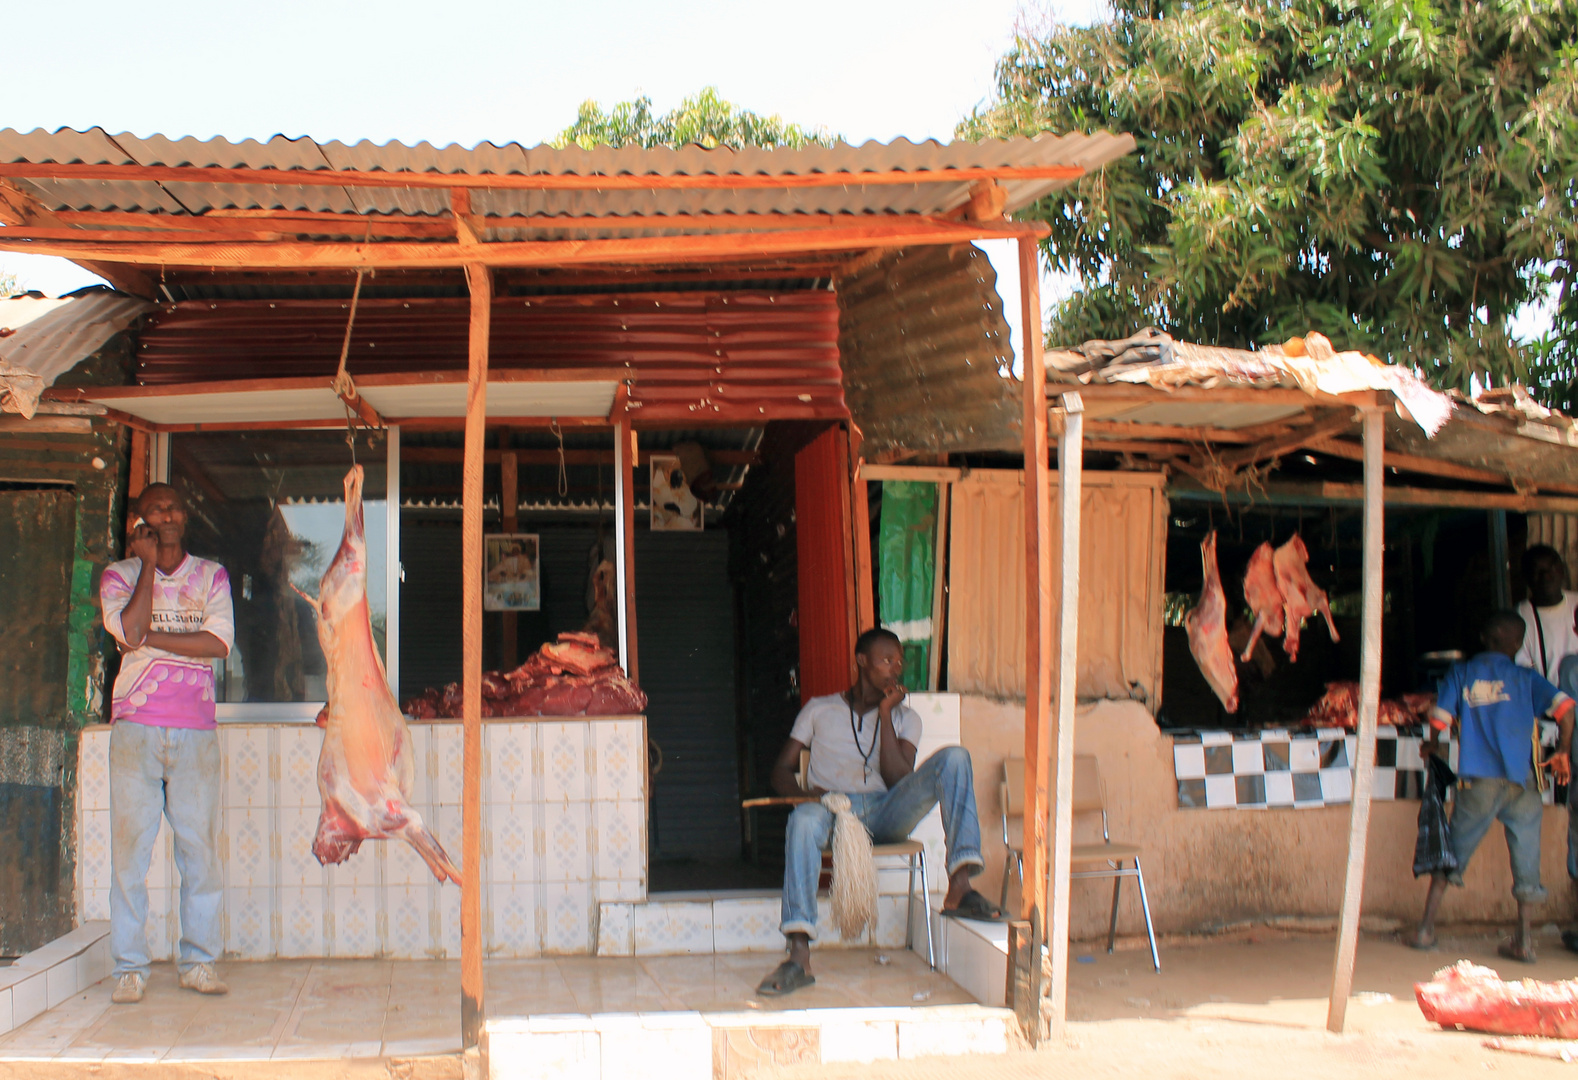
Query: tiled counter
column 563, row 828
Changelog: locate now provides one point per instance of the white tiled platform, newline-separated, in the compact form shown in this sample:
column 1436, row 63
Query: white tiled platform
column 549, row 1018
column 46, row 977
column 563, row 828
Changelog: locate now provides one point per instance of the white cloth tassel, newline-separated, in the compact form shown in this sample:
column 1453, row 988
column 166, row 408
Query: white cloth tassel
column 854, row 870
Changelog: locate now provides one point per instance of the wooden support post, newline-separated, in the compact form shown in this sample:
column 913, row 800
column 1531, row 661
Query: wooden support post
column 1070, row 454
column 1025, row 983
column 137, row 479
column 509, row 505
column 1369, row 705
column 480, row 280
column 939, row 588
column 625, row 536
column 860, row 524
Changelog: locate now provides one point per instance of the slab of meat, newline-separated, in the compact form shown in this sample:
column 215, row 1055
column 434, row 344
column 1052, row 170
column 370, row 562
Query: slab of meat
column 1475, row 998
column 1339, row 707
column 366, row 769
column 1264, row 598
column 1303, row 596
column 573, row 676
column 1207, row 626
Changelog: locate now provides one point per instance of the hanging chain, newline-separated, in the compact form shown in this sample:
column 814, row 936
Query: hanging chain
column 564, row 477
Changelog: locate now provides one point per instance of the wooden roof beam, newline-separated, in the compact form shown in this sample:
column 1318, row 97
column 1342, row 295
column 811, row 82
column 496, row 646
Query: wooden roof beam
column 19, row 208
column 672, row 249
column 198, row 174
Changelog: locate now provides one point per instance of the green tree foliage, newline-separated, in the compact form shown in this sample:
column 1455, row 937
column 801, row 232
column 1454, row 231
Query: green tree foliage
column 704, row 119
column 1396, row 174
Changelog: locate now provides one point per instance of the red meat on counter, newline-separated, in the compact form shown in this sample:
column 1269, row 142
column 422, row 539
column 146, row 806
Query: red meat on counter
column 573, row 676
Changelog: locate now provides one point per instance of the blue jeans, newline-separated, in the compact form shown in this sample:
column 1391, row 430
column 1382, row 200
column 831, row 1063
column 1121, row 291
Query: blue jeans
column 1483, row 800
column 945, row 779
column 174, row 773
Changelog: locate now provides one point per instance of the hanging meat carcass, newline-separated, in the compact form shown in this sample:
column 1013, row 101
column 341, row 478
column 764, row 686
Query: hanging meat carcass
column 1475, row 998
column 1207, row 627
column 1263, row 596
column 1303, row 597
column 366, row 768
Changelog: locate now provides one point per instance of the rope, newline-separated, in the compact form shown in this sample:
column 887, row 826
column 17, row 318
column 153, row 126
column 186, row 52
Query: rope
column 564, row 477
column 854, row 870
column 342, row 383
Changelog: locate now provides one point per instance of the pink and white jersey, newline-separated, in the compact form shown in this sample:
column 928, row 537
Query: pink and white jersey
column 161, row 688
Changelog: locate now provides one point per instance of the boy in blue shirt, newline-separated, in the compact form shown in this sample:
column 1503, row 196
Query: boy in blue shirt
column 1494, row 703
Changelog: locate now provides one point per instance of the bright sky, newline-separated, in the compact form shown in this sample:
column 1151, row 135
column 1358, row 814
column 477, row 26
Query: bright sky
column 472, row 70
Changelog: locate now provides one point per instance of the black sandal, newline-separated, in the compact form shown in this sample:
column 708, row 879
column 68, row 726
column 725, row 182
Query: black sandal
column 976, row 907
column 786, row 978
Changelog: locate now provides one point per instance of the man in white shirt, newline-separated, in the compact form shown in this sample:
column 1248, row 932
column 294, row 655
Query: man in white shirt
column 171, row 614
column 863, row 743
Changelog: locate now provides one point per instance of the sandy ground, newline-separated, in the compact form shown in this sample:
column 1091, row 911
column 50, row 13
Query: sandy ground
column 1250, row 1008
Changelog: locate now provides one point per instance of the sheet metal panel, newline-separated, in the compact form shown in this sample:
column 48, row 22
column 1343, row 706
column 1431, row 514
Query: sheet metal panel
column 822, row 539
column 95, row 146
column 52, row 336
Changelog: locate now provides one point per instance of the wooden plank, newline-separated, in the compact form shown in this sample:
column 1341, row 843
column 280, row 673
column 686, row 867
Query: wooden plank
column 626, row 437
column 1294, row 494
column 18, row 207
column 1126, row 430
column 299, row 255
column 939, row 587
column 198, row 174
column 47, row 425
column 509, row 510
column 1070, row 488
column 1038, row 644
column 1278, row 445
column 313, row 382
column 935, row 474
column 445, row 455
column 468, row 230
column 1429, row 466
column 1099, row 393
column 137, row 476
column 472, row 1014
column 1369, row 704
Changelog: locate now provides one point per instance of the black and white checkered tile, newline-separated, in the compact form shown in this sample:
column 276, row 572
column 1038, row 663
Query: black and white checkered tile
column 1300, row 769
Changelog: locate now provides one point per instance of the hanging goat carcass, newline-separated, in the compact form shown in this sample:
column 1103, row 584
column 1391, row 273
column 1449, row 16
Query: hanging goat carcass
column 366, row 768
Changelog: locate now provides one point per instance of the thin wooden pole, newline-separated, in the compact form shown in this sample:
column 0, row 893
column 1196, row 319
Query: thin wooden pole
column 939, row 588
column 137, row 479
column 625, row 535
column 1070, row 454
column 860, row 524
column 509, row 506
column 1025, row 949
column 1369, row 705
column 480, row 280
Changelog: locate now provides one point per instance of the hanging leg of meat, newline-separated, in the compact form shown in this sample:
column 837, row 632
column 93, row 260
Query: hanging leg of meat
column 1263, row 597
column 1207, row 626
column 366, row 768
column 1303, row 596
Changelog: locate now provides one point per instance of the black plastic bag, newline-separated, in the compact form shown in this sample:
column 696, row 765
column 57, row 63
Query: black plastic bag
column 1433, row 851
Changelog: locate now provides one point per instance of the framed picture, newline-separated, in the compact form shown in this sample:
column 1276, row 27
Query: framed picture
column 674, row 507
column 510, row 570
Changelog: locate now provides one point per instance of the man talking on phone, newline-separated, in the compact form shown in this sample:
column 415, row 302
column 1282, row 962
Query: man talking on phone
column 863, row 743
column 171, row 614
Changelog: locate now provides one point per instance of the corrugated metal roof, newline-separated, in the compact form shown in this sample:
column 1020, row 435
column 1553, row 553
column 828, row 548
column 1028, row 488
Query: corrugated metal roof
column 188, row 197
column 739, row 358
column 47, row 338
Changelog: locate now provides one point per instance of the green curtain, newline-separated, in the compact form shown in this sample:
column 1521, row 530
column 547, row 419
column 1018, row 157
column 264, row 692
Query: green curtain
column 906, row 568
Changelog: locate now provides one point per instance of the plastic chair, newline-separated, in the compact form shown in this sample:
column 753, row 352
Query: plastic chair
column 1089, row 798
column 913, row 852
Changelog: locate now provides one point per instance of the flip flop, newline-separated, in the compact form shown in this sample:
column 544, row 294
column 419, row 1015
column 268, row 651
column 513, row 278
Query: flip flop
column 1512, row 951
column 977, row 908
column 786, row 978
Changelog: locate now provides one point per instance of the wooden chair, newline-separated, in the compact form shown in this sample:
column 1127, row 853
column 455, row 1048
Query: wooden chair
column 913, row 852
column 1089, row 798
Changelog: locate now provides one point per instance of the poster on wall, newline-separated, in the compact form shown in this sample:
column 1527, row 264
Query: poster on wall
column 674, row 507
column 510, row 579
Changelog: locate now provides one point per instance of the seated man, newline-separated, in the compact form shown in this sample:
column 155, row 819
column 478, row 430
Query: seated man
column 863, row 744
column 1494, row 703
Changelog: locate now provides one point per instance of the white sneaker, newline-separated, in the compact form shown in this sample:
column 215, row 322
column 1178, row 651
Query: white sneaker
column 201, row 977
column 129, row 989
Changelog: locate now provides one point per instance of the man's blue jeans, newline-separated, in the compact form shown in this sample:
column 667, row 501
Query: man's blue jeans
column 1567, row 682
column 174, row 773
column 946, row 779
column 1480, row 802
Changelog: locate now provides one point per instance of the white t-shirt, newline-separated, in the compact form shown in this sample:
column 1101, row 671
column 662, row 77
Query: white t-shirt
column 846, row 748
column 1560, row 639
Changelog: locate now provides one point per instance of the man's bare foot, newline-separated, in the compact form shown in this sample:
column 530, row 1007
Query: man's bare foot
column 1517, row 948
column 1422, row 938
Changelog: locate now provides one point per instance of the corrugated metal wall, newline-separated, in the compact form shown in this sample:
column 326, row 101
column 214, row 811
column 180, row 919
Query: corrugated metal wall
column 1123, row 532
column 696, row 357
column 825, row 564
column 924, row 342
